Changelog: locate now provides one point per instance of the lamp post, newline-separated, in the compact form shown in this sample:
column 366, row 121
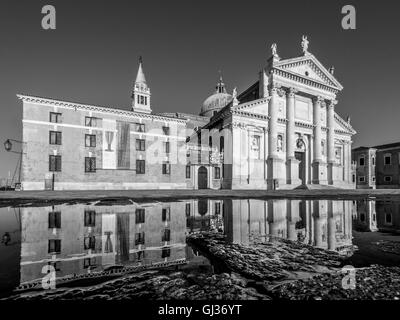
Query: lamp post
column 8, row 145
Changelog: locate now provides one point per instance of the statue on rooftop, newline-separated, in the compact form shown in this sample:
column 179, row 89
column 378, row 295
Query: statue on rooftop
column 304, row 44
column 234, row 97
column 274, row 49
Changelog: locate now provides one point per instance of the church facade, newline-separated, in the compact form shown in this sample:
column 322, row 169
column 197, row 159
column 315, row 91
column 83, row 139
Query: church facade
column 280, row 133
column 283, row 131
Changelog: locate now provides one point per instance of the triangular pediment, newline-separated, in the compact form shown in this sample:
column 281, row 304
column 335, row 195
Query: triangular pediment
column 259, row 106
column 309, row 67
column 343, row 126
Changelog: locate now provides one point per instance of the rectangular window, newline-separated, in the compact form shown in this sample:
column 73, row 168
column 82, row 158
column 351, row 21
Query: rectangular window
column 373, row 179
column 166, row 214
column 55, row 163
column 55, row 137
column 90, row 140
column 373, row 161
column 165, row 252
column 140, row 145
column 165, row 130
column 90, row 121
column 361, row 161
column 140, row 166
column 388, row 159
column 166, row 147
column 166, row 235
column 217, row 173
column 388, row 178
column 141, row 99
column 139, row 127
column 54, row 246
column 90, row 164
column 140, row 255
column 90, row 218
column 187, row 172
column 89, row 243
column 89, row 263
column 139, row 215
column 187, row 209
column 145, row 101
column 139, row 238
column 55, row 220
column 55, row 117
column 138, row 98
column 166, row 168
column 361, row 179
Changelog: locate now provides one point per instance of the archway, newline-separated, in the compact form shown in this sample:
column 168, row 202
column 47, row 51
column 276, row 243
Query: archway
column 202, row 178
column 301, row 155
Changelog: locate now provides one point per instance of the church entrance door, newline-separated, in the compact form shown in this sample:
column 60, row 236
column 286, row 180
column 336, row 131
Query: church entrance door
column 202, row 178
column 301, row 156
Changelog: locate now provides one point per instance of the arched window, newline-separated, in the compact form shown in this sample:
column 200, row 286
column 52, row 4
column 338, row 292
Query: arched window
column 221, row 144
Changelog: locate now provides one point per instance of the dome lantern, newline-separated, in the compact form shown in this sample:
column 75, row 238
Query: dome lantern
column 216, row 101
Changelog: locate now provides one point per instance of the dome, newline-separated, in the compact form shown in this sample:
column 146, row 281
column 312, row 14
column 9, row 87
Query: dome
column 217, row 101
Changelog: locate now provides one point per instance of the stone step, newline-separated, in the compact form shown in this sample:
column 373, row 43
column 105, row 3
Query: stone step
column 316, row 187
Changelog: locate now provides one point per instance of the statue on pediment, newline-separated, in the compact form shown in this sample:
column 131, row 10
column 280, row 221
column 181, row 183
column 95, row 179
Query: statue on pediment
column 304, row 44
column 274, row 49
column 234, row 97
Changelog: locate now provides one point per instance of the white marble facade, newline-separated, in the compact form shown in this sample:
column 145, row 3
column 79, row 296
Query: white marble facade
column 283, row 132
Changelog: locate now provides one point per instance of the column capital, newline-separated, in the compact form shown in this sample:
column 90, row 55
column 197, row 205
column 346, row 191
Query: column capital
column 332, row 103
column 291, row 92
column 317, row 99
column 274, row 86
column 281, row 92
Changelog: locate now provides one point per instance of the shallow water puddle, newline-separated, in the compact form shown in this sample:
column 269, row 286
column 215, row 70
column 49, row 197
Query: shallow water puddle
column 85, row 242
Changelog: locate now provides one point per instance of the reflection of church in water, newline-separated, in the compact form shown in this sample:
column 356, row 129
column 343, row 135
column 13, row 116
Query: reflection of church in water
column 81, row 239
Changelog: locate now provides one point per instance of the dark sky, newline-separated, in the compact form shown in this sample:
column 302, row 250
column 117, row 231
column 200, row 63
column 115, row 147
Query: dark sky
column 92, row 55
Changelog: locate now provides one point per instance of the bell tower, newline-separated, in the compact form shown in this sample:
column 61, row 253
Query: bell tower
column 141, row 92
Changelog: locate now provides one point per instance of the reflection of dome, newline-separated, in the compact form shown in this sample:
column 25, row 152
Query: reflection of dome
column 217, row 101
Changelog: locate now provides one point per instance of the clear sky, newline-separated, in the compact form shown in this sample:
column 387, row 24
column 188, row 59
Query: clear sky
column 92, row 55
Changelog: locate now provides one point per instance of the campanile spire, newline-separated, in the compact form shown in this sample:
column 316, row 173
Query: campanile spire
column 141, row 92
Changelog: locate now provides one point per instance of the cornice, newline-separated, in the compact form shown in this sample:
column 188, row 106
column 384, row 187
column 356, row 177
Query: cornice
column 320, row 68
column 345, row 124
column 304, row 80
column 88, row 107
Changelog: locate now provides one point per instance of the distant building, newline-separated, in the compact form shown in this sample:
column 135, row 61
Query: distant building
column 378, row 167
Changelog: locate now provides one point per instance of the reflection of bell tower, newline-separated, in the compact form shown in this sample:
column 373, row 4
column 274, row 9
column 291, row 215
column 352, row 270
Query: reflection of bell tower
column 141, row 92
